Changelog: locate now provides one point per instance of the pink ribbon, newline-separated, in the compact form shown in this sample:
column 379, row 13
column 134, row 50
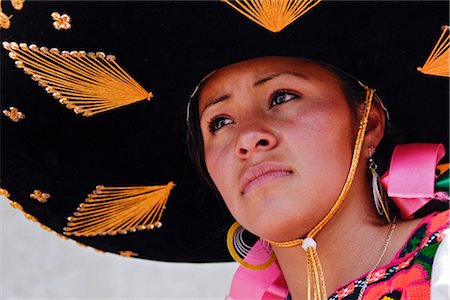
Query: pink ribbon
column 411, row 177
column 267, row 284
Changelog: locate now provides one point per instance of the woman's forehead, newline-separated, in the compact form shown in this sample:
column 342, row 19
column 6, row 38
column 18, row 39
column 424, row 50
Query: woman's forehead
column 260, row 69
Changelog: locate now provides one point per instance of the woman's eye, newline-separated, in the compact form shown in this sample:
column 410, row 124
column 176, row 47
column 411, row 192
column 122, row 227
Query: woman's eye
column 218, row 122
column 280, row 97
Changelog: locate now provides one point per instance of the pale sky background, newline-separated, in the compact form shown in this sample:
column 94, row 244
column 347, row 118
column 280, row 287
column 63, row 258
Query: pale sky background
column 37, row 265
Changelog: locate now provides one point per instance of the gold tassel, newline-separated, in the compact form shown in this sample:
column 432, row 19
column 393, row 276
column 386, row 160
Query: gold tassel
column 438, row 63
column 89, row 83
column 274, row 15
column 314, row 269
column 112, row 210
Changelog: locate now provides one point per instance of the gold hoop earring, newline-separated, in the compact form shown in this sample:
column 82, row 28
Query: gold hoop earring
column 247, row 255
column 378, row 193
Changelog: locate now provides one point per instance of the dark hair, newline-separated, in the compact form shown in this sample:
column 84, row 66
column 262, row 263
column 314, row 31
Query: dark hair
column 194, row 139
column 353, row 90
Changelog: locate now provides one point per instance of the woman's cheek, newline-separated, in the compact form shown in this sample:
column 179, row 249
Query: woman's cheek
column 215, row 163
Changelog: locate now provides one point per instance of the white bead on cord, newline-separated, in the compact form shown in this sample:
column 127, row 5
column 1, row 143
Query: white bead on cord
column 308, row 242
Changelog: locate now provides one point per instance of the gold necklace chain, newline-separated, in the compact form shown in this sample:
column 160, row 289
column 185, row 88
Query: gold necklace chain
column 380, row 258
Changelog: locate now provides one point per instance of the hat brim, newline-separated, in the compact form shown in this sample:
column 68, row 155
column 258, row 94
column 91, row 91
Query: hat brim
column 168, row 47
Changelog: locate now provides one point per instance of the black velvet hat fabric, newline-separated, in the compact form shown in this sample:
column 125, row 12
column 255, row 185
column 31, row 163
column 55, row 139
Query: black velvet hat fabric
column 168, row 47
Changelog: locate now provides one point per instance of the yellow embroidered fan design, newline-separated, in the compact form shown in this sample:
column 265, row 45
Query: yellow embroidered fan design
column 113, row 210
column 274, row 15
column 438, row 63
column 89, row 83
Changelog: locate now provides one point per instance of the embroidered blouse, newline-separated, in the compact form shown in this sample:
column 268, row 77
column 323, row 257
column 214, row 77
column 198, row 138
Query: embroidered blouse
column 408, row 275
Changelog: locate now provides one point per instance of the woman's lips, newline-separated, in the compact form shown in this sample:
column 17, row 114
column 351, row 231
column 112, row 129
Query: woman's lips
column 262, row 173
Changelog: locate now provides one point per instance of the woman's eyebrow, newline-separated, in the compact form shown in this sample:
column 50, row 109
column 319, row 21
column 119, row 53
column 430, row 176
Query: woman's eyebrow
column 215, row 101
column 275, row 75
column 257, row 83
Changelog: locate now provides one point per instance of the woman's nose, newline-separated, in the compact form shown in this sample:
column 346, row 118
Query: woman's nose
column 252, row 141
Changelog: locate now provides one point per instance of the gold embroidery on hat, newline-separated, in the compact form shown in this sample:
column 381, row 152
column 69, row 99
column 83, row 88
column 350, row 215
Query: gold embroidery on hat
column 17, row 4
column 14, row 114
column 61, row 236
column 113, row 210
column 89, row 83
column 27, row 215
column 30, row 217
column 128, row 253
column 438, row 63
column 5, row 23
column 4, row 20
column 46, row 228
column 5, row 193
column 16, row 205
column 274, row 15
column 61, row 22
column 40, row 196
column 80, row 244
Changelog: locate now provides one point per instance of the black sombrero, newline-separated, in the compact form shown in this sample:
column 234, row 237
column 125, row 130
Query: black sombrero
column 133, row 156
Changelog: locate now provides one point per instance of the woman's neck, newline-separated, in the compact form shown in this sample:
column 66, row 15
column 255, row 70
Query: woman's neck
column 348, row 246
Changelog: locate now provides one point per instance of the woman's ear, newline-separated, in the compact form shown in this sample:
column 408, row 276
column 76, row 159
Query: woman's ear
column 375, row 127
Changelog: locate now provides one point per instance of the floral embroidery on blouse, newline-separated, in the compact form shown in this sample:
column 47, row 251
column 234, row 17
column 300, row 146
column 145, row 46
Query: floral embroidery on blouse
column 408, row 275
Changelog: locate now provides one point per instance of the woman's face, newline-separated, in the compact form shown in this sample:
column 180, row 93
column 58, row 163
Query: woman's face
column 278, row 139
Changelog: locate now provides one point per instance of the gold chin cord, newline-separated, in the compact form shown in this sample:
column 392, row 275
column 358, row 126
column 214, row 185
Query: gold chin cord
column 315, row 276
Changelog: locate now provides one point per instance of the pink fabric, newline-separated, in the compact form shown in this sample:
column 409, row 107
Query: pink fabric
column 267, row 284
column 411, row 176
